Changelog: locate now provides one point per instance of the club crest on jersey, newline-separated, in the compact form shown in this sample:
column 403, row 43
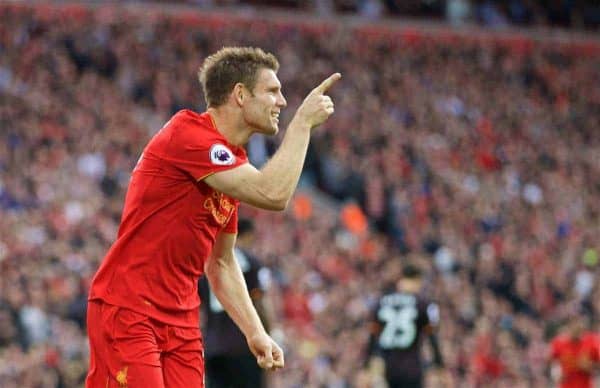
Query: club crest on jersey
column 122, row 378
column 221, row 155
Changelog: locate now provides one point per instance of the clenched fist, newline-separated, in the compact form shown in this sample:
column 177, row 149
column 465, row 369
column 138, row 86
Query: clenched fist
column 268, row 354
column 317, row 107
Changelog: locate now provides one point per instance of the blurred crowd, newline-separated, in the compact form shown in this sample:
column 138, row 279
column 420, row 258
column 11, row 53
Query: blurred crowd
column 572, row 14
column 476, row 159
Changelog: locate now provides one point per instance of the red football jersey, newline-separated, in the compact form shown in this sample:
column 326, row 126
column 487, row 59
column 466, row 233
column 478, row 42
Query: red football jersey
column 571, row 353
column 170, row 222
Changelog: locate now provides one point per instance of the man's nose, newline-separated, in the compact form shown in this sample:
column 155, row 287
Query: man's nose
column 281, row 102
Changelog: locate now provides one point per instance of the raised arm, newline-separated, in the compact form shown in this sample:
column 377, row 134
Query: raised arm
column 227, row 282
column 272, row 187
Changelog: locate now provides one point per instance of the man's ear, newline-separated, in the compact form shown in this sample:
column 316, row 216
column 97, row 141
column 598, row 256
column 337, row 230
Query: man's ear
column 239, row 93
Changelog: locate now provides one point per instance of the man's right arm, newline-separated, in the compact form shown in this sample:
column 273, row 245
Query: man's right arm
column 272, row 187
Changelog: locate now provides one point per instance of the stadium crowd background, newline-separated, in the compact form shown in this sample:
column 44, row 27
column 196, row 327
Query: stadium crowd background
column 578, row 14
column 474, row 156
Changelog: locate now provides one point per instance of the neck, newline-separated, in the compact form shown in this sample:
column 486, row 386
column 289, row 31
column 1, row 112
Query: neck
column 231, row 125
column 410, row 286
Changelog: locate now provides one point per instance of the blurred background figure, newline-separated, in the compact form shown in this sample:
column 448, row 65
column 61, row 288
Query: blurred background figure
column 575, row 354
column 403, row 318
column 228, row 361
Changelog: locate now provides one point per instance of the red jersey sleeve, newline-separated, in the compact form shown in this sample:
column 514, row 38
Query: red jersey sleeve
column 196, row 148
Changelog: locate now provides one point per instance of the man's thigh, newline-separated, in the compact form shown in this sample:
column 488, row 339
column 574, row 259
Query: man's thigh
column 123, row 349
column 183, row 358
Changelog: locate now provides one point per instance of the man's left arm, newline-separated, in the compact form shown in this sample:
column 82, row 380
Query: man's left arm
column 432, row 315
column 227, row 282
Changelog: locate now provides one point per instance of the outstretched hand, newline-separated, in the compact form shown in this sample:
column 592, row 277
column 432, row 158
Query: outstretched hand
column 317, row 106
column 268, row 354
column 326, row 84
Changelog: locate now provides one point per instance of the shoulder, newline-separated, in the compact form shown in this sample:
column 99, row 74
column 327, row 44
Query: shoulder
column 559, row 341
column 591, row 338
column 186, row 119
column 194, row 129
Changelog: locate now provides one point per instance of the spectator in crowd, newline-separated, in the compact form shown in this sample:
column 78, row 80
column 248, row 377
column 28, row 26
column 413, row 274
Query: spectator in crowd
column 583, row 14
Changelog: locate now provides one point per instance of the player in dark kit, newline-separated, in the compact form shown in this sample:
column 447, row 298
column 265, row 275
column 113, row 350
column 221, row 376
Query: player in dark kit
column 401, row 319
column 228, row 361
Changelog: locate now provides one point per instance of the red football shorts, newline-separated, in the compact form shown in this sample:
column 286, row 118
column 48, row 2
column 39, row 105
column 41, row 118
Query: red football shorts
column 128, row 349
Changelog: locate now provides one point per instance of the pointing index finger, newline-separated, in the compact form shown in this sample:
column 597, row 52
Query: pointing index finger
column 325, row 85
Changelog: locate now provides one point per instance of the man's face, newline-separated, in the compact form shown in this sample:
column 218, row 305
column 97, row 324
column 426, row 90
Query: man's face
column 262, row 107
column 576, row 327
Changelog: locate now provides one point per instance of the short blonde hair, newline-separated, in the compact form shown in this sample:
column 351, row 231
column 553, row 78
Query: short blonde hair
column 222, row 70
